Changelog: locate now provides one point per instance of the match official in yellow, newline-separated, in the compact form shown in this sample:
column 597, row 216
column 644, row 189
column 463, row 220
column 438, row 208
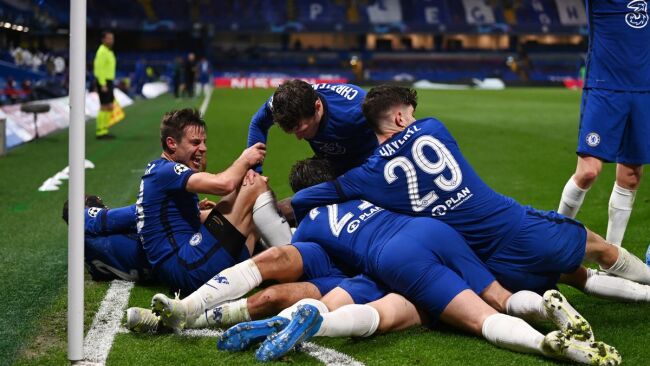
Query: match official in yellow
column 104, row 70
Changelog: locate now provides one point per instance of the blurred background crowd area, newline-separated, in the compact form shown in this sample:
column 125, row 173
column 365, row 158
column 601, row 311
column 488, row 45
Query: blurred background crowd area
column 534, row 42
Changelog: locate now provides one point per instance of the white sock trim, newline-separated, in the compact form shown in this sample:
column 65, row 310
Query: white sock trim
column 273, row 227
column 615, row 288
column 231, row 283
column 572, row 198
column 353, row 320
column 620, row 209
column 629, row 266
column 527, row 305
column 512, row 333
column 288, row 312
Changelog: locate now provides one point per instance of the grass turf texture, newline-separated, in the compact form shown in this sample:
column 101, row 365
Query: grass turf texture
column 521, row 141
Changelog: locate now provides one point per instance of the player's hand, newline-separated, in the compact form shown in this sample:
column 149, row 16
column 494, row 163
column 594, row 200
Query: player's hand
column 254, row 155
column 206, row 204
column 105, row 88
column 250, row 176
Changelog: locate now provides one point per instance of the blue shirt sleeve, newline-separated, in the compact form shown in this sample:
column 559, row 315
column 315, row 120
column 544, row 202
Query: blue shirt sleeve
column 344, row 188
column 258, row 129
column 318, row 195
column 173, row 176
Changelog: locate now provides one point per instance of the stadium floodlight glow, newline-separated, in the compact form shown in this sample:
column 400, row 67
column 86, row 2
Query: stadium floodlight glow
column 14, row 27
column 26, row 29
column 7, row 25
column 19, row 28
column 76, row 157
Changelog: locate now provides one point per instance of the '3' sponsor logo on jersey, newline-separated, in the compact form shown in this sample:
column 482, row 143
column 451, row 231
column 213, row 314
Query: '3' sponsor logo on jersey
column 638, row 18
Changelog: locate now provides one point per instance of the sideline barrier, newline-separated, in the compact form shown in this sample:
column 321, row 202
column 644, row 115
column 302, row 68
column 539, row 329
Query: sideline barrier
column 20, row 128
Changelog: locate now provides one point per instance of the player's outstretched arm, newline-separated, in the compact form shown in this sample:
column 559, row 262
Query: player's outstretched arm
column 315, row 196
column 258, row 129
column 223, row 183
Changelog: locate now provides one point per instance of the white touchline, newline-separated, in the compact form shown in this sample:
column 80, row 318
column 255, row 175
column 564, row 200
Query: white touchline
column 108, row 322
column 206, row 101
column 327, row 356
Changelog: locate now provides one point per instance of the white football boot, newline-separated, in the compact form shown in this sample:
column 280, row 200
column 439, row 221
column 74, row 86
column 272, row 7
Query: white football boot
column 173, row 313
column 563, row 315
column 141, row 320
column 564, row 346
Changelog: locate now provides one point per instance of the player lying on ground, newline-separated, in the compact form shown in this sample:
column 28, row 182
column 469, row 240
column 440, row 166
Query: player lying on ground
column 420, row 272
column 419, row 170
column 312, row 318
column 394, row 244
column 246, row 276
column 182, row 251
column 465, row 310
column 407, row 254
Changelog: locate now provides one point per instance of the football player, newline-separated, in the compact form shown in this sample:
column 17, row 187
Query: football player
column 419, row 170
column 442, row 276
column 615, row 109
column 328, row 116
column 182, row 251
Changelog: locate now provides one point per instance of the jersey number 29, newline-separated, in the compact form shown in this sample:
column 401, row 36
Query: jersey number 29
column 445, row 161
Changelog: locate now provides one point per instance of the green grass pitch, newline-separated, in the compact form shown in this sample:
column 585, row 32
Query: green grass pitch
column 521, row 141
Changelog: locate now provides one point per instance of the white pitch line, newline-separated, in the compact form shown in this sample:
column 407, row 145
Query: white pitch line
column 327, row 356
column 206, row 101
column 107, row 322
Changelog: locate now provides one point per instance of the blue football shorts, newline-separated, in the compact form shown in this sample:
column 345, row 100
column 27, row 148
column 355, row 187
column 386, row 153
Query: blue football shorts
column 547, row 245
column 615, row 126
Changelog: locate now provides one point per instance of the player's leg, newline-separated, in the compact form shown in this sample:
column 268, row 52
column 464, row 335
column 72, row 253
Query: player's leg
column 116, row 256
column 587, row 170
column 635, row 151
column 599, row 284
column 254, row 204
column 260, row 305
column 603, row 116
column 346, row 321
column 628, row 178
column 284, row 264
column 281, row 263
column 615, row 260
column 275, row 298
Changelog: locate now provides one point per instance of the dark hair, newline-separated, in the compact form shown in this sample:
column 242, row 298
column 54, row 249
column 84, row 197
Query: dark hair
column 292, row 101
column 309, row 172
column 174, row 122
column 105, row 33
column 381, row 99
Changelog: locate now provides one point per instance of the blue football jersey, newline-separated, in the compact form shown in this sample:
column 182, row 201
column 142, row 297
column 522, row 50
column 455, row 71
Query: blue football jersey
column 167, row 215
column 352, row 233
column 343, row 136
column 421, row 172
column 619, row 45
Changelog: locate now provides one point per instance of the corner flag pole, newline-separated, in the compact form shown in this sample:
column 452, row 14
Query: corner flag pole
column 76, row 158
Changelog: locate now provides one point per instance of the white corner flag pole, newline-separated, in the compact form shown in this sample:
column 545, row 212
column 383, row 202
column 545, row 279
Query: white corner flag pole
column 76, row 157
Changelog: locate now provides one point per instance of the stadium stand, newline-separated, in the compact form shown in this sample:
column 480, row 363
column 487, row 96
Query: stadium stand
column 540, row 41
